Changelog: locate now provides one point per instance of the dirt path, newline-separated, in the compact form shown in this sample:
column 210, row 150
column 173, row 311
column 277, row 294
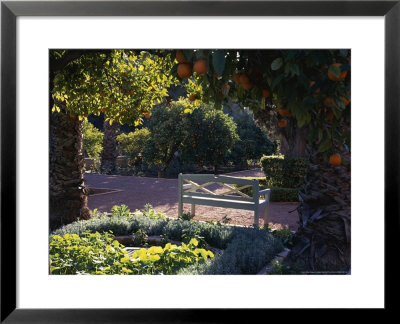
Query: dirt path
column 163, row 194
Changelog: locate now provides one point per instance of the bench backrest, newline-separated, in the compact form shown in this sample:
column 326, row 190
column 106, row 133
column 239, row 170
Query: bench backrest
column 196, row 185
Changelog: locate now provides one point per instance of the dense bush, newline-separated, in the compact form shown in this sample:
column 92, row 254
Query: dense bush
column 277, row 194
column 92, row 140
column 95, row 253
column 253, row 142
column 210, row 137
column 167, row 131
column 247, row 253
column 282, row 172
column 133, row 144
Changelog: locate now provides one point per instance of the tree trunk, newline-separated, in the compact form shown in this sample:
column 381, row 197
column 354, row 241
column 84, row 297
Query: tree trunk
column 68, row 194
column 322, row 242
column 109, row 153
column 293, row 140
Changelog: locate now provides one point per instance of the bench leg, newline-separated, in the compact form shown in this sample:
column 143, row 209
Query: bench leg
column 256, row 211
column 179, row 209
column 266, row 217
column 193, row 210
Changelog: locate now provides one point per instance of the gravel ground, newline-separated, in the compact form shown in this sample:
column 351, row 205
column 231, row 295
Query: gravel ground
column 163, row 194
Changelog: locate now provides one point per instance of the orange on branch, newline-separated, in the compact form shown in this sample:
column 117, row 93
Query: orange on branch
column 333, row 77
column 335, row 159
column 265, row 93
column 330, row 115
column 236, row 78
column 244, row 79
column 329, row 102
column 146, row 114
column 200, row 66
column 192, row 97
column 184, row 70
column 131, row 92
column 179, row 57
column 282, row 123
column 285, row 112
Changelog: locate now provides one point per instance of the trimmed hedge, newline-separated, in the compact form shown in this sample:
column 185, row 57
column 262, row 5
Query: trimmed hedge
column 282, row 172
column 277, row 194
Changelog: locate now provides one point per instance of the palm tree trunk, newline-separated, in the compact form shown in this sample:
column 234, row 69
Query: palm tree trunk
column 109, row 153
column 322, row 242
column 68, row 194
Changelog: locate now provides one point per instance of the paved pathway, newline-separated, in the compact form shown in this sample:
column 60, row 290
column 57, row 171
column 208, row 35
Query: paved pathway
column 163, row 194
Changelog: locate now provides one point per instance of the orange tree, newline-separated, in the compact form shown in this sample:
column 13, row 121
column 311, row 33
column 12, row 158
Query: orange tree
column 210, row 137
column 309, row 89
column 123, row 84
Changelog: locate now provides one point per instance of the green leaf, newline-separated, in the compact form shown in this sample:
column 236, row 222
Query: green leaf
column 325, row 145
column 277, row 80
column 335, row 70
column 276, row 64
column 218, row 61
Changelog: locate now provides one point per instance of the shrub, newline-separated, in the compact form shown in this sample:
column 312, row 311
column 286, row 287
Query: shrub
column 91, row 253
column 120, row 211
column 133, row 144
column 248, row 252
column 277, row 194
column 253, row 142
column 282, row 172
column 96, row 253
column 167, row 132
column 149, row 212
column 92, row 140
column 210, row 137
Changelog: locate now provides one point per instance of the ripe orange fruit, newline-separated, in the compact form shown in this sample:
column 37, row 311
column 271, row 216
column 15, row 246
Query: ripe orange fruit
column 184, row 70
column 284, row 112
column 330, row 115
column 265, row 93
column 335, row 159
column 282, row 123
column 236, row 78
column 244, row 79
column 333, row 77
column 131, row 92
column 146, row 114
column 179, row 57
column 247, row 85
column 225, row 89
column 329, row 102
column 200, row 66
column 192, row 97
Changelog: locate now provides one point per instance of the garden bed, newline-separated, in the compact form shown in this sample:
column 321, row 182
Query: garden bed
column 243, row 250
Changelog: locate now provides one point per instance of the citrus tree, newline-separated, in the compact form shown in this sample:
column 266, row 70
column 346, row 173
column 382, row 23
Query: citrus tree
column 311, row 90
column 210, row 137
column 123, row 84
column 167, row 132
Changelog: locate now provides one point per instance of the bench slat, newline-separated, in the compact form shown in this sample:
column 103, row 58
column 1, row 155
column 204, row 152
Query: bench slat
column 223, row 197
column 217, row 202
column 219, row 179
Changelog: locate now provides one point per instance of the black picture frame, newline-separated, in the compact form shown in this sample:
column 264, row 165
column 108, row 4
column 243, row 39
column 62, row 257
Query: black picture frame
column 10, row 10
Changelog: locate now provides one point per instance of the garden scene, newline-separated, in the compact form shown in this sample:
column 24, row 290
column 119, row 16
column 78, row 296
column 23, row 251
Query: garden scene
column 199, row 161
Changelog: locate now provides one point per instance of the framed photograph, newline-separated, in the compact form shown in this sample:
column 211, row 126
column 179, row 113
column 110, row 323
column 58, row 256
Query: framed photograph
column 363, row 34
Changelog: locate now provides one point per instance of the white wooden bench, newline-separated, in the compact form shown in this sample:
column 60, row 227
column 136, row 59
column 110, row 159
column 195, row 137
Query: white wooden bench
column 191, row 192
